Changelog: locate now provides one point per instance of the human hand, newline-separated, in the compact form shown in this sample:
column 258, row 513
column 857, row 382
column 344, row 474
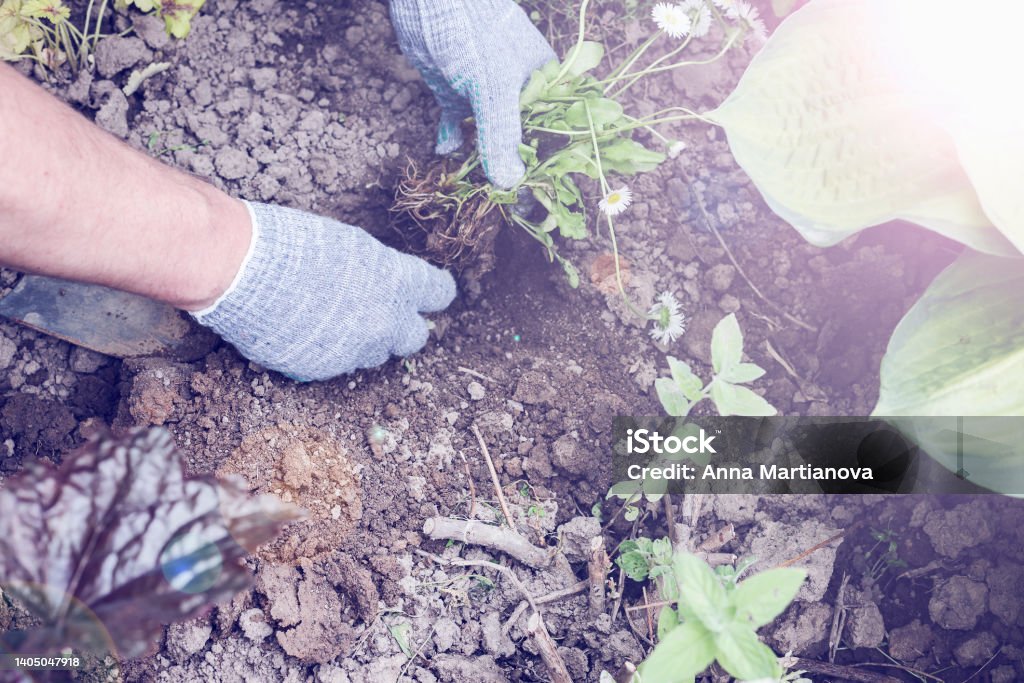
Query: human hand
column 476, row 56
column 316, row 298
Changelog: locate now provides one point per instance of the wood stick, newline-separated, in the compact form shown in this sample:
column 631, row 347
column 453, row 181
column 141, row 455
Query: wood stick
column 846, row 673
column 553, row 596
column 494, row 478
column 548, row 650
column 474, row 532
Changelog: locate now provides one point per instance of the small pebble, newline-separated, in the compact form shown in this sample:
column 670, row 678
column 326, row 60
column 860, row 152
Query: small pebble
column 476, row 391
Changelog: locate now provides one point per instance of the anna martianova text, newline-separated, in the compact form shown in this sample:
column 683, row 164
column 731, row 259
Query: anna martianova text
column 680, row 471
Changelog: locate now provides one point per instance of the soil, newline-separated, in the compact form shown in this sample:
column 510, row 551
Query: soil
column 311, row 105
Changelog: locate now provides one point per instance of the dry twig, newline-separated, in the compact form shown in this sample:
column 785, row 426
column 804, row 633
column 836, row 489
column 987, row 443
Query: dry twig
column 494, row 477
column 474, row 532
column 838, row 619
column 846, row 673
column 548, row 650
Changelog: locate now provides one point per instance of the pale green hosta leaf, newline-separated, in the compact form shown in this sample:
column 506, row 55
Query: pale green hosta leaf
column 726, row 344
column 960, row 349
column 836, row 143
column 994, row 160
column 986, row 447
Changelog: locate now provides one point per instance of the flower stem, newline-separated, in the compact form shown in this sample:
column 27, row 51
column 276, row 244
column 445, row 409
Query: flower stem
column 633, row 58
column 669, row 67
column 659, row 60
column 611, row 224
column 579, row 42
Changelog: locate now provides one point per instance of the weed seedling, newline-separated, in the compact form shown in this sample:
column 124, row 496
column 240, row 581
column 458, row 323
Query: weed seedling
column 684, row 389
column 712, row 616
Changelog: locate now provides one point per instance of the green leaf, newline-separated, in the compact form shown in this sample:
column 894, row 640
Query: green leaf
column 629, row 157
column 572, row 160
column 586, row 58
column 667, row 620
column 673, row 400
column 571, row 224
column 726, row 345
column 701, row 594
column 762, row 597
column 634, row 564
column 570, row 272
column 741, row 654
column 683, row 653
column 744, row 372
column 529, row 155
column 15, row 32
column 178, row 15
column 730, row 399
column 603, row 111
column 836, row 142
column 400, row 632
column 960, row 349
column 534, row 89
column 690, row 384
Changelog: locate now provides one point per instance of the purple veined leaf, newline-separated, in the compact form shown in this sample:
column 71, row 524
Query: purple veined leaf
column 117, row 542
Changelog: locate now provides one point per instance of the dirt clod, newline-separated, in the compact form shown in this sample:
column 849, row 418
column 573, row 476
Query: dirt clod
column 308, row 467
column 958, row 603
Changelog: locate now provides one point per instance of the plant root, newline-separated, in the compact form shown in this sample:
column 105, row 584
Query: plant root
column 448, row 222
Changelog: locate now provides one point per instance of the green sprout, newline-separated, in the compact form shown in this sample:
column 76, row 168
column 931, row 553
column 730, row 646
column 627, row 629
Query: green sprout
column 711, row 615
column 684, row 389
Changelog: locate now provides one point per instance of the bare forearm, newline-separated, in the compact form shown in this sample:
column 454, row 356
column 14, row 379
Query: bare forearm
column 79, row 204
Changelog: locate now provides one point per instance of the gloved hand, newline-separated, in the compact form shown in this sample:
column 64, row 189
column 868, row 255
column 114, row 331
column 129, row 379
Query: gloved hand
column 476, row 56
column 316, row 298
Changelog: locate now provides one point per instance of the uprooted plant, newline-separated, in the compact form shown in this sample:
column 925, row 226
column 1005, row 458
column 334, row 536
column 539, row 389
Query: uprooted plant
column 575, row 124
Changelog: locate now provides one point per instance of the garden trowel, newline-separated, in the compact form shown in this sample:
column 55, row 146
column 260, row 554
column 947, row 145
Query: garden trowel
column 105, row 320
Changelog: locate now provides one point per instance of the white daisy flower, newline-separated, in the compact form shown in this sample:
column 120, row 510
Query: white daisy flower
column 669, row 322
column 672, row 19
column 700, row 17
column 726, row 7
column 749, row 15
column 616, row 201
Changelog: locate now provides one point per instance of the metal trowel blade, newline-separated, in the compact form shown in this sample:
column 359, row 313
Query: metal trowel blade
column 105, row 320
